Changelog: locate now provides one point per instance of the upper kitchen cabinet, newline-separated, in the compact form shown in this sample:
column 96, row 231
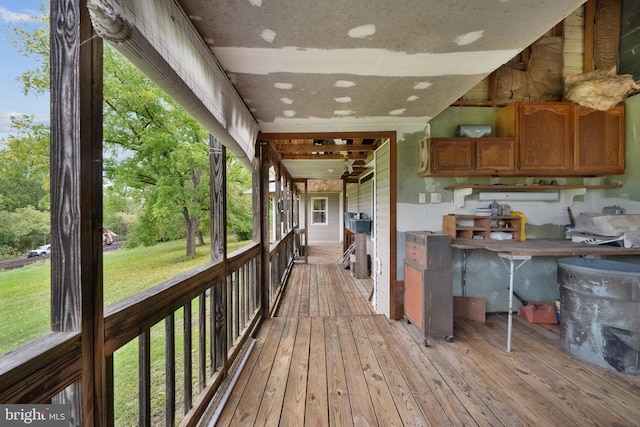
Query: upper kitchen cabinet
column 600, row 141
column 535, row 139
column 451, row 156
column 564, row 139
column 467, row 157
column 544, row 132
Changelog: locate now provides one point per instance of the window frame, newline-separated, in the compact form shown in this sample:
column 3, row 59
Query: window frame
column 325, row 210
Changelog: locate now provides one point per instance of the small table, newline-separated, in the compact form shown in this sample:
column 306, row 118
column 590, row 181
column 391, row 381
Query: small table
column 518, row 253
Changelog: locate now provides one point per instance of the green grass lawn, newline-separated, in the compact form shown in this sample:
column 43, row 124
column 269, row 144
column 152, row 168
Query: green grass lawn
column 25, row 312
column 25, row 293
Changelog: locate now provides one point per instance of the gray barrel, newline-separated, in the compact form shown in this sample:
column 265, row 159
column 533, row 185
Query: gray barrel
column 600, row 305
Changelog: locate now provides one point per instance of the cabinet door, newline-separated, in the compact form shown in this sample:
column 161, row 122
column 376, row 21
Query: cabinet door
column 449, row 156
column 545, row 138
column 495, row 155
column 413, row 298
column 600, row 141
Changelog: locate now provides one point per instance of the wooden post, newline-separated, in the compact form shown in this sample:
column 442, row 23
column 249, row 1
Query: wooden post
column 218, row 165
column 76, row 201
column 264, row 229
column 306, row 221
column 345, row 245
column 589, row 62
column 218, row 183
column 278, row 204
column 362, row 264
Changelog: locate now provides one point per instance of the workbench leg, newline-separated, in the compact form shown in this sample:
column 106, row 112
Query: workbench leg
column 510, row 314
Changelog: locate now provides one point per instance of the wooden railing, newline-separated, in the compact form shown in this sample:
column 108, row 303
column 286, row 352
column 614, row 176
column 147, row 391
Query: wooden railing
column 349, row 239
column 280, row 261
column 220, row 302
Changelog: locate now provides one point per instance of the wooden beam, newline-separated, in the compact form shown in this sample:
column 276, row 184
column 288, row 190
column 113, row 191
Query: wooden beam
column 330, row 148
column 76, row 201
column 324, row 135
column 181, row 64
column 589, row 35
column 323, row 156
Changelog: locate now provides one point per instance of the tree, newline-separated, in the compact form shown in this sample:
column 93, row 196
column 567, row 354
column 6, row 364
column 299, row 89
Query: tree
column 153, row 149
column 239, row 204
column 24, row 166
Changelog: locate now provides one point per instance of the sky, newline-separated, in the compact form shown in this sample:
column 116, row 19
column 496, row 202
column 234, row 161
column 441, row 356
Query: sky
column 13, row 64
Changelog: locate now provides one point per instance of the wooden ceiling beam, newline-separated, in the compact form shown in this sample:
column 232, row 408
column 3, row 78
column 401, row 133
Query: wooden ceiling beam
column 331, row 148
column 323, row 156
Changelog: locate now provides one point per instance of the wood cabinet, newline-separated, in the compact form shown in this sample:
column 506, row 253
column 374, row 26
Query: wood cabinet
column 535, row 139
column 600, row 142
column 428, row 283
column 544, row 132
column 495, row 155
column 470, row 156
column 480, row 227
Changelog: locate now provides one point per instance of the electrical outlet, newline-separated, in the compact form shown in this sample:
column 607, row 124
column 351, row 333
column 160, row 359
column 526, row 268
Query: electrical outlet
column 422, row 198
column 436, row 197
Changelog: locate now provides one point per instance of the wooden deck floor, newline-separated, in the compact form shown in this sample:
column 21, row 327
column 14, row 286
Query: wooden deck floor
column 329, row 360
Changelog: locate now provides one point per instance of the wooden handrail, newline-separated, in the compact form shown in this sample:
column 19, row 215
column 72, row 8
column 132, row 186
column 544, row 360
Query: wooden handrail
column 39, row 369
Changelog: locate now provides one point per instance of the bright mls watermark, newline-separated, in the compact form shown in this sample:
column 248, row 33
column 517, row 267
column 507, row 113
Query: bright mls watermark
column 34, row 415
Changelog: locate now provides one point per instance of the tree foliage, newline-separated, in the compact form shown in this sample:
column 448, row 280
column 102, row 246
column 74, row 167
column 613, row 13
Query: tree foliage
column 155, row 156
column 156, row 149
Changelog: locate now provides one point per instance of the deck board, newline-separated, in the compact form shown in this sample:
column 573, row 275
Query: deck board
column 327, row 359
column 296, row 390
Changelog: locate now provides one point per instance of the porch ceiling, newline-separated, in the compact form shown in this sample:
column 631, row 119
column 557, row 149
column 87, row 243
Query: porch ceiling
column 362, row 65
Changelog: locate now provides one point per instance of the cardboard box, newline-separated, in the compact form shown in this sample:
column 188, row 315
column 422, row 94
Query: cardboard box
column 539, row 312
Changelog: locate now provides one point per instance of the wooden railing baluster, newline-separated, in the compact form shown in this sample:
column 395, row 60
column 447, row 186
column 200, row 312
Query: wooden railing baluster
column 186, row 355
column 170, row 370
column 202, row 342
column 144, row 379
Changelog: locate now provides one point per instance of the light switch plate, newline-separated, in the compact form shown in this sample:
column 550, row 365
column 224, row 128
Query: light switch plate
column 436, row 197
column 422, row 198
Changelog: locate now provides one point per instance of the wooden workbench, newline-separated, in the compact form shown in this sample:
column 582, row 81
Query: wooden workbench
column 543, row 247
column 517, row 253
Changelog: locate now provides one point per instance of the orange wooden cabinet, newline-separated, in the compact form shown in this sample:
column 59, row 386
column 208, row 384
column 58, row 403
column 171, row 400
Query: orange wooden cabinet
column 535, row 139
column 544, row 134
column 469, row 157
column 600, row 141
column 564, row 139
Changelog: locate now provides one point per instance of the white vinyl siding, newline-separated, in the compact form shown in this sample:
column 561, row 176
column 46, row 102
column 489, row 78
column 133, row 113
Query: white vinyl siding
column 329, row 231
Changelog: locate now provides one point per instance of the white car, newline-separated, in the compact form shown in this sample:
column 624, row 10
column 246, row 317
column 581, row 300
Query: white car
column 39, row 251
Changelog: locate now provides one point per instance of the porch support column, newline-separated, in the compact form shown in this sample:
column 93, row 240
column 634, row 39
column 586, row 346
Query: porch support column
column 76, row 201
column 218, row 184
column 345, row 244
column 306, row 221
column 278, row 203
column 264, row 229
